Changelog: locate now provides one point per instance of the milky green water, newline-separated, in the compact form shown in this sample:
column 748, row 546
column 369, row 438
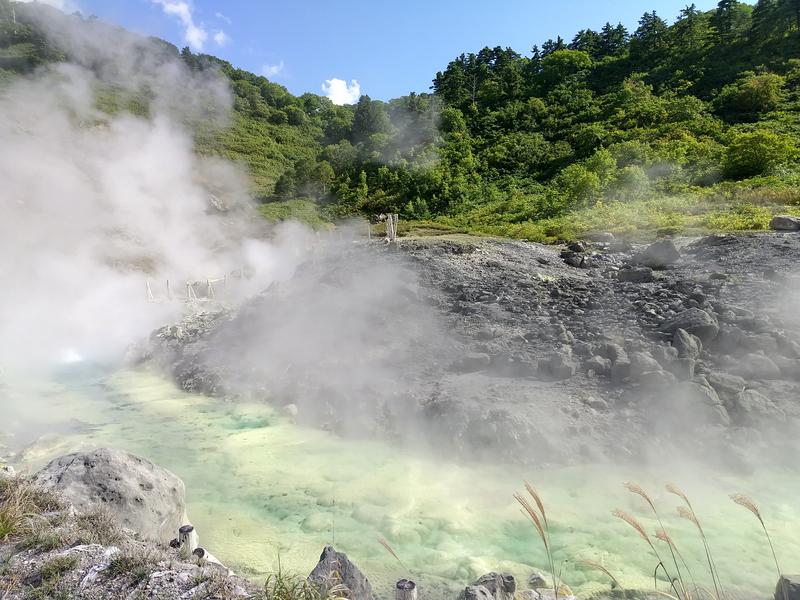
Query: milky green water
column 260, row 489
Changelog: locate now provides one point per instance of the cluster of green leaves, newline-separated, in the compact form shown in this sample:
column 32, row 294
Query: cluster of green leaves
column 508, row 142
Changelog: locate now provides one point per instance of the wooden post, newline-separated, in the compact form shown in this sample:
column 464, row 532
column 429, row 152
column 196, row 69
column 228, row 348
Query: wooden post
column 405, row 589
column 185, row 539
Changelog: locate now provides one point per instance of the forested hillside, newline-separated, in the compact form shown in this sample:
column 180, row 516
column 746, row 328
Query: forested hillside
column 676, row 125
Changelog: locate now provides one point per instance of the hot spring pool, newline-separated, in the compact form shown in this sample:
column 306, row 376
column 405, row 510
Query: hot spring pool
column 262, row 490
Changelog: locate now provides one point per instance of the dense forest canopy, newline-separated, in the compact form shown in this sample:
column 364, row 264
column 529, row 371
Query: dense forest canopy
column 510, row 142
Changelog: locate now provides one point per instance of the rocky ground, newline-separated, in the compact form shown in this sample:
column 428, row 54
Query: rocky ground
column 493, row 348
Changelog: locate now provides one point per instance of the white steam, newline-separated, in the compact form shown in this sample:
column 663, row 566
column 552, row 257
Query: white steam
column 94, row 207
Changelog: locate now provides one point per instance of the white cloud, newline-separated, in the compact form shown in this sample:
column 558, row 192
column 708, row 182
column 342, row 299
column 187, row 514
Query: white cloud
column 195, row 35
column 222, row 17
column 272, row 70
column 221, row 38
column 341, row 92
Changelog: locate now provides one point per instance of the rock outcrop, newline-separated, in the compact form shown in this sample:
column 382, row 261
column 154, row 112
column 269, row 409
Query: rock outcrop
column 334, row 570
column 140, row 495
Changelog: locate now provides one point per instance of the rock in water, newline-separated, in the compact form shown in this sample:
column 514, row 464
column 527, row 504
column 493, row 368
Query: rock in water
column 785, row 223
column 658, row 255
column 788, row 588
column 500, row 585
column 476, row 592
column 140, row 495
column 334, row 568
column 695, row 321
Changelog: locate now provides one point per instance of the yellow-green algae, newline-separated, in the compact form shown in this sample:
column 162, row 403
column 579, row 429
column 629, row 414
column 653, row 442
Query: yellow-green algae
column 261, row 489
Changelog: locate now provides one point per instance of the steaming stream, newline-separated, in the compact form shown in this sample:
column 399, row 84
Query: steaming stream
column 259, row 488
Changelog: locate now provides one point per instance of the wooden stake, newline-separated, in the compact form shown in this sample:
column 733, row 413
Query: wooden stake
column 405, row 589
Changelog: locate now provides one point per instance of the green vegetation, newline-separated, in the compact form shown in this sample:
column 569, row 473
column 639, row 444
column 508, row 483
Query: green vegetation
column 692, row 124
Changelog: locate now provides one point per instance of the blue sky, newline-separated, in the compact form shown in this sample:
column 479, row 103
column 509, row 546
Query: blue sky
column 389, row 48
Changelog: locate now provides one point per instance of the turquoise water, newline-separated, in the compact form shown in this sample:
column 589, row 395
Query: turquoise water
column 261, row 489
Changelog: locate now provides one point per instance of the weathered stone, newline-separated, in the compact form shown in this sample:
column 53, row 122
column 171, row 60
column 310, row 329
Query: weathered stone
column 695, row 321
column 700, row 400
column 755, row 366
column 788, row 588
column 641, row 362
column 559, row 365
column 334, row 568
column 500, row 585
column 536, row 580
column 598, row 364
column 636, row 275
column 476, row 592
column 140, row 495
column 785, row 223
column 687, row 345
column 683, row 368
column 471, row 363
column 751, row 408
column 658, row 255
column 726, row 384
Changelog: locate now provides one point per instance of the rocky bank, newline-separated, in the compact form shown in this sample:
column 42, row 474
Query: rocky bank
column 487, row 348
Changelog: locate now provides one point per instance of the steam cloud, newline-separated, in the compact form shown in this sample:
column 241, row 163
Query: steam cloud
column 94, row 206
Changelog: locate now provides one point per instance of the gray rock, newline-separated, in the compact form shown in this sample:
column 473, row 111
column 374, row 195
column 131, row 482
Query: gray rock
column 500, row 585
column 536, row 581
column 785, row 223
column 695, row 321
column 751, row 408
column 527, row 595
column 476, row 592
column 7, row 472
column 656, row 380
column 559, row 365
column 658, row 255
column 642, row 362
column 700, row 400
column 726, row 384
column 790, row 367
column 140, row 495
column 687, row 345
column 755, row 366
column 471, row 363
column 788, row 588
column 683, row 368
column 334, row 568
column 636, row 275
column 664, row 354
column 598, row 364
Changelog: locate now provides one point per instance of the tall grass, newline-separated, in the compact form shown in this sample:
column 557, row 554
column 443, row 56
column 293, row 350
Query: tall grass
column 539, row 519
column 750, row 505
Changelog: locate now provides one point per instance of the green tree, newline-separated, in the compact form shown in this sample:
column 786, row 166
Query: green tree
column 752, row 95
column 756, row 153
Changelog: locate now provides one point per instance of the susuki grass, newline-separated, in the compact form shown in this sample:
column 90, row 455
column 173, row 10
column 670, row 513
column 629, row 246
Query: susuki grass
column 534, row 509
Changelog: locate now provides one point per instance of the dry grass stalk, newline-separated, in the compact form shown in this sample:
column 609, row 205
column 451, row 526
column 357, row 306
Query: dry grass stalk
column 631, row 520
column 598, row 567
column 535, row 495
column 687, row 512
column 383, row 542
column 750, row 505
column 532, row 514
column 540, row 522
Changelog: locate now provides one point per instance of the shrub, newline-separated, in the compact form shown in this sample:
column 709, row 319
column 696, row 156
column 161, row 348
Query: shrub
column 756, row 153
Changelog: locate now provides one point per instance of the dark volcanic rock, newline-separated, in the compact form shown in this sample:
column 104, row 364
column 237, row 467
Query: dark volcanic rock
column 334, row 568
column 788, row 588
column 687, row 345
column 500, row 585
column 695, row 321
column 658, row 255
column 785, row 223
column 636, row 275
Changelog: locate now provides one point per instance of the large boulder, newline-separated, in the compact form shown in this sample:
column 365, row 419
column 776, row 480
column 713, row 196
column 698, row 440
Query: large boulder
column 785, row 223
column 695, row 321
column 658, row 255
column 334, row 569
column 141, row 495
